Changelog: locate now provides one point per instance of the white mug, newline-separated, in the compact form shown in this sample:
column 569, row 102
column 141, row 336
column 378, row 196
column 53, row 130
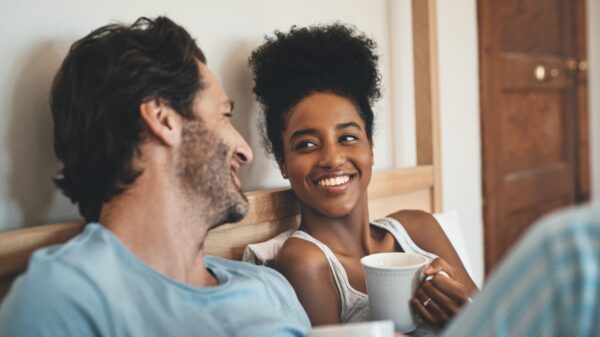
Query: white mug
column 392, row 279
column 362, row 329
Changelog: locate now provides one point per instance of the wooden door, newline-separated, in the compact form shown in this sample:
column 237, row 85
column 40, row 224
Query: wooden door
column 530, row 114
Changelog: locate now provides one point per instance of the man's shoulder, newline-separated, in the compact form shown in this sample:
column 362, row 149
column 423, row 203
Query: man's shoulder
column 85, row 252
column 51, row 291
column 61, row 273
column 55, row 266
column 568, row 222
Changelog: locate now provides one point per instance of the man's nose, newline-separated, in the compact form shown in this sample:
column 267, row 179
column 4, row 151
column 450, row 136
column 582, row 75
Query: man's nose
column 242, row 150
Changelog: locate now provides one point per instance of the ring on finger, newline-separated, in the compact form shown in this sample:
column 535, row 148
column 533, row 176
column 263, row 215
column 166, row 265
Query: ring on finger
column 427, row 301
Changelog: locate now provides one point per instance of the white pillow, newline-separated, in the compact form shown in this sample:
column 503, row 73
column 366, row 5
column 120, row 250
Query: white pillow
column 263, row 252
column 450, row 223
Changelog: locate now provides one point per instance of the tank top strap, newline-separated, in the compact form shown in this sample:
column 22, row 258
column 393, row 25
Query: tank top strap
column 347, row 293
column 399, row 233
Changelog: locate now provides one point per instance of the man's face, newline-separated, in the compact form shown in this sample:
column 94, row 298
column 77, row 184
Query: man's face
column 211, row 153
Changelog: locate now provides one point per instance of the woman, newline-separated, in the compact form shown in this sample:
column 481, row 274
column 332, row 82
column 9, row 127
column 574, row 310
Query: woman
column 316, row 86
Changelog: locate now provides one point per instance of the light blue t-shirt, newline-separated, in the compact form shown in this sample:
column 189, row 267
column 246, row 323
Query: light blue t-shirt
column 94, row 286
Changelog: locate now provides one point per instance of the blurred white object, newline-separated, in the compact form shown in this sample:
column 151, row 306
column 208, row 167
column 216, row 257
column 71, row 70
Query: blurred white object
column 363, row 329
column 450, row 223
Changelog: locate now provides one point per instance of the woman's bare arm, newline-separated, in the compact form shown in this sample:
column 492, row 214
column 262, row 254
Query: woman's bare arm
column 307, row 269
column 425, row 231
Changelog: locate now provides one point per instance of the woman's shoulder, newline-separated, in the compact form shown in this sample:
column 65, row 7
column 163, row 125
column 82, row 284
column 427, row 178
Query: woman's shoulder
column 298, row 254
column 417, row 221
column 422, row 228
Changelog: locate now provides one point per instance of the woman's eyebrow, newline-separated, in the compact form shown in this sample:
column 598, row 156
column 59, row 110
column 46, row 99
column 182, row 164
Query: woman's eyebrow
column 311, row 132
column 303, row 132
column 348, row 125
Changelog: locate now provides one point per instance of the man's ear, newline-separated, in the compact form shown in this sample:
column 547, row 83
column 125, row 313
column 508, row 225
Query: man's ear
column 162, row 121
column 282, row 168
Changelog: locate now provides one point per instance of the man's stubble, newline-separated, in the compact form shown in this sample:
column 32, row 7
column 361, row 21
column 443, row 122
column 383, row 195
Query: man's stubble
column 205, row 176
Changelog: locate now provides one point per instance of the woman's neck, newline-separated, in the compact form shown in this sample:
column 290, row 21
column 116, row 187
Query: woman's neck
column 349, row 235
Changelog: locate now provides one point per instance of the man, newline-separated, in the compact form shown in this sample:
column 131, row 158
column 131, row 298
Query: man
column 142, row 128
column 549, row 285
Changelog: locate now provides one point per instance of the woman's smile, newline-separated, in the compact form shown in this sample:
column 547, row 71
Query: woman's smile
column 334, row 184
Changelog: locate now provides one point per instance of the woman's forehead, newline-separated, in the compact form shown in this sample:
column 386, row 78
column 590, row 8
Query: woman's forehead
column 323, row 110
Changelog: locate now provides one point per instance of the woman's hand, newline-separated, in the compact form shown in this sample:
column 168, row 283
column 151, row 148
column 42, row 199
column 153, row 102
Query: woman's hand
column 440, row 296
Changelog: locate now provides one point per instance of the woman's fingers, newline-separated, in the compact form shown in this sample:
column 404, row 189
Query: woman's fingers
column 418, row 303
column 451, row 288
column 432, row 307
column 440, row 297
column 443, row 301
column 439, row 265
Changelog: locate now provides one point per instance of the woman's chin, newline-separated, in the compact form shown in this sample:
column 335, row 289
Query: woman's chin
column 337, row 211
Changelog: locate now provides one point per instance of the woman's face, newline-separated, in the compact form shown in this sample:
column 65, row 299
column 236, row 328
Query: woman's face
column 327, row 155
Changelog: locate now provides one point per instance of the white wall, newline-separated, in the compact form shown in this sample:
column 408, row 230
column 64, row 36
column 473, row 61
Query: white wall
column 459, row 116
column 593, row 8
column 35, row 36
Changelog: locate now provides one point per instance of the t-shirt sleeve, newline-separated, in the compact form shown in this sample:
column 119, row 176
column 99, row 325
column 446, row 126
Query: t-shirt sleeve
column 52, row 299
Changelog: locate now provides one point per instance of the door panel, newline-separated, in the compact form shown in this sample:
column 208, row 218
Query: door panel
column 521, row 219
column 528, row 115
column 532, row 130
column 531, row 26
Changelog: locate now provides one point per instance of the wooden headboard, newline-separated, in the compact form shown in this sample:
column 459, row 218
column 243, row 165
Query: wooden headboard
column 276, row 210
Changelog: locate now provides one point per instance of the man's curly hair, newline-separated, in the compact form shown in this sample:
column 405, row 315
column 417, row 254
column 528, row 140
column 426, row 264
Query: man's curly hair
column 322, row 58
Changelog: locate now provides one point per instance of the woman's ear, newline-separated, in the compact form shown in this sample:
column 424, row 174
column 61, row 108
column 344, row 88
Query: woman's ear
column 282, row 168
column 162, row 121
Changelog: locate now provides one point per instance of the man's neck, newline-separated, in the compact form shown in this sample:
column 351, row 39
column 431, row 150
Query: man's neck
column 158, row 225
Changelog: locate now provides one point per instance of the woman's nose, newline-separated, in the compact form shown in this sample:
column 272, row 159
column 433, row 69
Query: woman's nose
column 331, row 157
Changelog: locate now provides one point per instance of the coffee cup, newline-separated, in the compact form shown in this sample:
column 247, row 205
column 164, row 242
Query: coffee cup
column 362, row 329
column 392, row 279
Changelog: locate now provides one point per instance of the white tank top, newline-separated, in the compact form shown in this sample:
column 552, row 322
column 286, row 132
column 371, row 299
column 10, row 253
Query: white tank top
column 355, row 307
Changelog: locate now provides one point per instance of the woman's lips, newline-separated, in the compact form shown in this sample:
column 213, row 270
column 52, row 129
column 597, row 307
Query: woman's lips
column 334, row 185
column 333, row 181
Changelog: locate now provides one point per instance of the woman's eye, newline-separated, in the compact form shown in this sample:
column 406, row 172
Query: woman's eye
column 348, row 138
column 304, row 145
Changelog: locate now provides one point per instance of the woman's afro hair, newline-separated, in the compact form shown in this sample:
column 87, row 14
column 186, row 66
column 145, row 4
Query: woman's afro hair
column 323, row 58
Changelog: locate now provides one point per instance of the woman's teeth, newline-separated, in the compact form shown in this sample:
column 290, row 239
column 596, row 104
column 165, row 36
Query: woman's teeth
column 334, row 181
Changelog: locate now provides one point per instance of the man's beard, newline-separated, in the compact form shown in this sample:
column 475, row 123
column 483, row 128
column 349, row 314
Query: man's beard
column 205, row 175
